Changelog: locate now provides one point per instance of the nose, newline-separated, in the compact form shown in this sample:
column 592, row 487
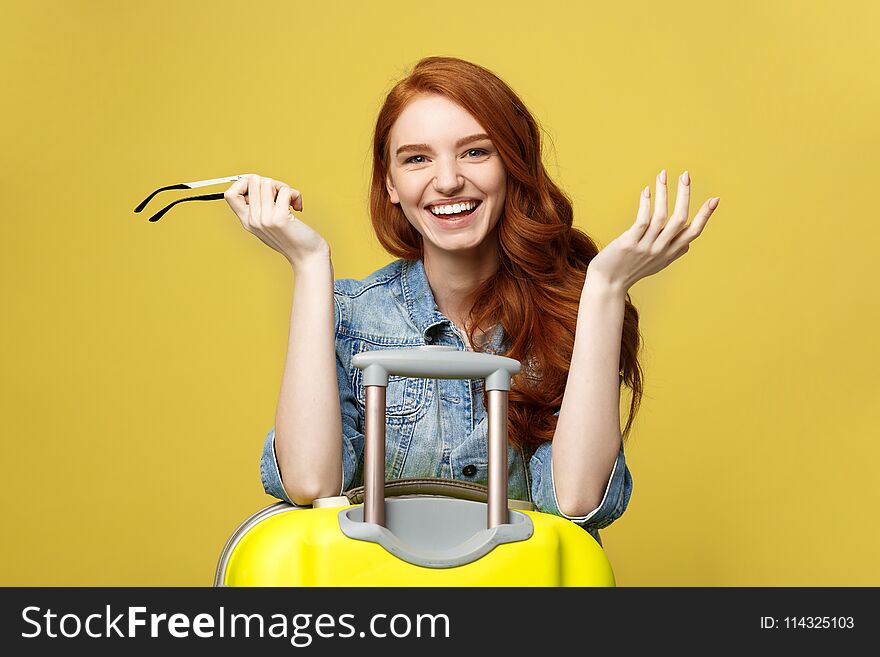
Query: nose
column 447, row 179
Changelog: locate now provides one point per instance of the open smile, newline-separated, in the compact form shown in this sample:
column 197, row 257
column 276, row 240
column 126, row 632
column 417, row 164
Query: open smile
column 460, row 220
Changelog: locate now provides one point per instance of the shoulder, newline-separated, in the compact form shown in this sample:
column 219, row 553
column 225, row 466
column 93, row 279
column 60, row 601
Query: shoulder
column 371, row 302
column 381, row 278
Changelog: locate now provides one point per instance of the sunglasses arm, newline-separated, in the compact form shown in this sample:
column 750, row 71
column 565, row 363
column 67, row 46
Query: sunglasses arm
column 143, row 203
column 205, row 197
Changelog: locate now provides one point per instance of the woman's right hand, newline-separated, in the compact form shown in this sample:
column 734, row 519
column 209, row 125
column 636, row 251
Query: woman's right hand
column 263, row 207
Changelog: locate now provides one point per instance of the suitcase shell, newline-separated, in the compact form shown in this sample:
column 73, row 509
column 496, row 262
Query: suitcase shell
column 284, row 545
column 447, row 539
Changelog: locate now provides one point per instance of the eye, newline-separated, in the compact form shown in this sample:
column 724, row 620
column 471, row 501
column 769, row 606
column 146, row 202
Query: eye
column 480, row 152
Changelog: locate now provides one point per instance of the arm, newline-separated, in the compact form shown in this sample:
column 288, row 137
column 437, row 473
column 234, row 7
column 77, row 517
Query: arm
column 588, row 431
column 587, row 440
column 308, row 420
column 616, row 495
column 352, row 442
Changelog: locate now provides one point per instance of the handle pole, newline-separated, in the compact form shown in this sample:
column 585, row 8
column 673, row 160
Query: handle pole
column 497, row 417
column 440, row 363
column 374, row 455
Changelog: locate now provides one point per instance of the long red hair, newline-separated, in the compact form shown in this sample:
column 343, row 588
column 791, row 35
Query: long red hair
column 536, row 291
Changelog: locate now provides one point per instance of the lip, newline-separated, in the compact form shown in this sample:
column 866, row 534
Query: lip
column 454, row 225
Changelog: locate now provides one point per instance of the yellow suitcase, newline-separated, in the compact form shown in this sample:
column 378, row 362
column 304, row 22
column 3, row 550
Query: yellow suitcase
column 422, row 532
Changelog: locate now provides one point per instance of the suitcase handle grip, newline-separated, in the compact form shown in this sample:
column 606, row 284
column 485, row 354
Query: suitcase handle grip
column 436, row 362
column 462, row 490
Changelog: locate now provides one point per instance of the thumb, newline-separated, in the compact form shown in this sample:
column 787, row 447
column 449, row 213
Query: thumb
column 289, row 198
column 296, row 199
column 294, row 196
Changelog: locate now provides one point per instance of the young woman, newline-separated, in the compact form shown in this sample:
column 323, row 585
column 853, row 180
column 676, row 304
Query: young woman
column 487, row 259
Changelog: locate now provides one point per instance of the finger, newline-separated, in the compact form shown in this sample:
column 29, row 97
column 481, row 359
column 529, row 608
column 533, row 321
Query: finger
column 267, row 198
column 683, row 198
column 296, row 199
column 679, row 216
column 282, row 203
column 696, row 227
column 643, row 216
column 239, row 187
column 660, row 210
column 236, row 198
column 295, row 196
column 254, row 197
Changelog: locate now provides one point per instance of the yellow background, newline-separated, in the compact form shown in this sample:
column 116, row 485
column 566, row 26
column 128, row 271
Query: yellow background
column 141, row 362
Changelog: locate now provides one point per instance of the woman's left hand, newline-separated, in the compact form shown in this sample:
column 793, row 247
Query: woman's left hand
column 651, row 243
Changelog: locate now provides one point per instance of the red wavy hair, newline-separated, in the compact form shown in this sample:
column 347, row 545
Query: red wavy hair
column 536, row 291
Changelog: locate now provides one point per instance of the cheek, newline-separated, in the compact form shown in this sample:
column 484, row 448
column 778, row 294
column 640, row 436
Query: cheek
column 498, row 182
column 501, row 193
column 415, row 224
column 498, row 210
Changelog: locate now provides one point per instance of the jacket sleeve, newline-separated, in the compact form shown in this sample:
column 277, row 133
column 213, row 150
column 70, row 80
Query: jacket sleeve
column 352, row 438
column 613, row 504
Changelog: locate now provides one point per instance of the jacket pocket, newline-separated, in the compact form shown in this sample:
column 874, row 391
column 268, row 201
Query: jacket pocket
column 404, row 396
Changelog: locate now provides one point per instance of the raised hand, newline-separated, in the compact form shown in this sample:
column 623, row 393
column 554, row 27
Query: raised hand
column 652, row 242
column 263, row 207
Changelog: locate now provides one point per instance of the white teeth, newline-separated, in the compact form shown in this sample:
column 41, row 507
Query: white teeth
column 453, row 209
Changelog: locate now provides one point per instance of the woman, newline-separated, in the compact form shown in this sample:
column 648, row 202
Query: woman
column 487, row 260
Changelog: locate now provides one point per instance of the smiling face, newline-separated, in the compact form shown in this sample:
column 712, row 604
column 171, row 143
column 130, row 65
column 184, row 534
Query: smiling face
column 440, row 155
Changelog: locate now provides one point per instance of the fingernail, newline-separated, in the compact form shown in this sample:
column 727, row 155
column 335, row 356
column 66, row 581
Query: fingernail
column 685, row 178
column 713, row 203
column 646, row 192
column 663, row 176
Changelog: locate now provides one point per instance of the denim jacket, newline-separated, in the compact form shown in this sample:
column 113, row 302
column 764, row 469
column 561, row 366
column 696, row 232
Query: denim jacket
column 434, row 428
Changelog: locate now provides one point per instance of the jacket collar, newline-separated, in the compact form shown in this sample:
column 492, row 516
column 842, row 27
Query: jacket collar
column 422, row 308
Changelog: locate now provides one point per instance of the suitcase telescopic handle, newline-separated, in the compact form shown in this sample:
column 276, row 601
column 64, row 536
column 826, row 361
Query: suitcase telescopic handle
column 434, row 362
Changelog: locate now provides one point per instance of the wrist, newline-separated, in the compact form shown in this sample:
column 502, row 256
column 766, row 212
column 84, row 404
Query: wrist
column 601, row 285
column 315, row 261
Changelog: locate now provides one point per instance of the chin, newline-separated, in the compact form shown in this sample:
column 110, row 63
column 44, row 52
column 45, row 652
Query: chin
column 457, row 243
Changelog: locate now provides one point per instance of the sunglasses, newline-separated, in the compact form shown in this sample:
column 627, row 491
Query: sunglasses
column 188, row 185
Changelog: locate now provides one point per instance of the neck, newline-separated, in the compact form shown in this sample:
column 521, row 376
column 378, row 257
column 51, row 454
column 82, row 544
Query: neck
column 455, row 275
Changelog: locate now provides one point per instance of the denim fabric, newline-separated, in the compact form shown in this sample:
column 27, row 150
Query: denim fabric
column 434, row 428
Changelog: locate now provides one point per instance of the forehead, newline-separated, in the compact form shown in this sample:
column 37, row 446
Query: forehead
column 433, row 118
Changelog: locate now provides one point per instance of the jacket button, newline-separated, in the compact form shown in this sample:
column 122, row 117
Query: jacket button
column 469, row 470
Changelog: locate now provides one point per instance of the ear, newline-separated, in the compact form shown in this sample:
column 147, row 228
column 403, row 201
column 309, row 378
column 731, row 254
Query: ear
column 391, row 191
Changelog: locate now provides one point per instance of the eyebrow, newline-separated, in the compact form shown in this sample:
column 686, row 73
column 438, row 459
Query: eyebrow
column 424, row 147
